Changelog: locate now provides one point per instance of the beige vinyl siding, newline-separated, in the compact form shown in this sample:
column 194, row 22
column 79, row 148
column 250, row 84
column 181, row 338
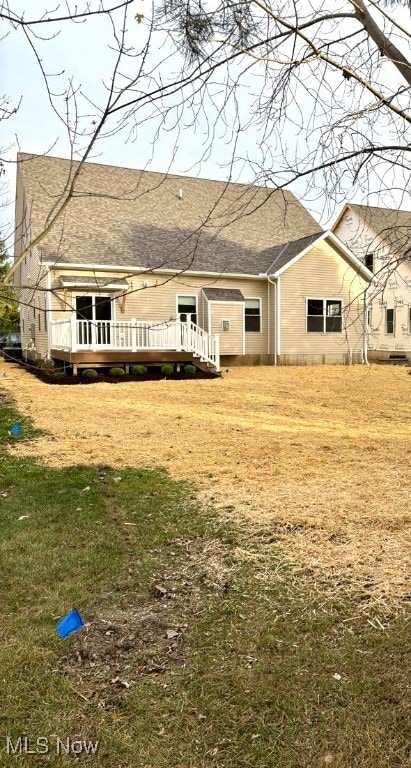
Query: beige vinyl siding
column 393, row 290
column 231, row 342
column 157, row 302
column 320, row 274
column 33, row 298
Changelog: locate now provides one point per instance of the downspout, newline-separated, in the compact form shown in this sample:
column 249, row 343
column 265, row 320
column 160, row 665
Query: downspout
column 276, row 319
column 365, row 335
column 268, row 320
column 47, row 305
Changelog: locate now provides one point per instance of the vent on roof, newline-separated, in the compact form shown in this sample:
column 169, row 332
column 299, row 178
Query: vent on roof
column 180, row 194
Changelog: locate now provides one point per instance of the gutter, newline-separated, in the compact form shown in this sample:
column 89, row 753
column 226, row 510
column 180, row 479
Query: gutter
column 147, row 270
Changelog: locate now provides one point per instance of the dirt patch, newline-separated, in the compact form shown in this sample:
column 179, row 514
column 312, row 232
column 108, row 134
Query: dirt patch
column 138, row 632
column 317, row 459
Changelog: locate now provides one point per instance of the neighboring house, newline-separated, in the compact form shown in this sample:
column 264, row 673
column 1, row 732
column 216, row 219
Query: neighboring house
column 151, row 267
column 381, row 239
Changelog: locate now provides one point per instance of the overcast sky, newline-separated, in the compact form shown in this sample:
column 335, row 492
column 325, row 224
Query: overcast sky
column 82, row 52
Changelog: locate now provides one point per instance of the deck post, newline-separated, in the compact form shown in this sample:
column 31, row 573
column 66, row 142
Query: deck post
column 133, row 322
column 73, row 332
column 217, row 352
column 178, row 330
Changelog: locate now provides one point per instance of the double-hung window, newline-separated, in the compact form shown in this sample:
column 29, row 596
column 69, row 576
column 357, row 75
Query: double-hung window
column 324, row 316
column 252, row 315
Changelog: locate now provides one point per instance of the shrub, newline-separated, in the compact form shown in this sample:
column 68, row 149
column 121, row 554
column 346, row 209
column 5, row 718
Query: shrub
column 43, row 364
column 59, row 375
column 167, row 369
column 116, row 371
column 190, row 369
column 138, row 370
column 89, row 373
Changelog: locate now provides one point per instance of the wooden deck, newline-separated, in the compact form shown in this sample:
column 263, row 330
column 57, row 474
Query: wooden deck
column 105, row 358
column 83, row 343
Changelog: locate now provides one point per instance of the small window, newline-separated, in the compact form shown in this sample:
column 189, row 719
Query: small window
column 187, row 305
column 225, row 324
column 389, row 321
column 369, row 318
column 369, row 261
column 39, row 319
column 45, row 320
column 324, row 316
column 252, row 315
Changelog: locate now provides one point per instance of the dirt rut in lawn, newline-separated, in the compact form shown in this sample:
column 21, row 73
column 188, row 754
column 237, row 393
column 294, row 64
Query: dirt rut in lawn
column 138, row 631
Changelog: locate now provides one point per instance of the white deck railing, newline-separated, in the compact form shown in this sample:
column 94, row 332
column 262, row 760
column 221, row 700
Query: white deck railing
column 133, row 335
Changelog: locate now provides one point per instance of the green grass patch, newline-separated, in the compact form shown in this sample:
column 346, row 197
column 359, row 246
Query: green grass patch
column 188, row 659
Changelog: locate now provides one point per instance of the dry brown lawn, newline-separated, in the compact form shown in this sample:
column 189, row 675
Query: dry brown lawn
column 312, row 463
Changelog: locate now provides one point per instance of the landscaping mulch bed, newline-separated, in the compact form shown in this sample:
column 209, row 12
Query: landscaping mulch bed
column 153, row 374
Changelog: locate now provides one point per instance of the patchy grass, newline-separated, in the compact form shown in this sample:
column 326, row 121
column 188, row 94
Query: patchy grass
column 188, row 659
column 314, row 459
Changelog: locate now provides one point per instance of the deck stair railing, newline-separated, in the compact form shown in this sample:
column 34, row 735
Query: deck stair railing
column 133, row 335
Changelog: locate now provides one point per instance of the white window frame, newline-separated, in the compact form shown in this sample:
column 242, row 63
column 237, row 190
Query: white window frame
column 324, row 332
column 93, row 322
column 110, row 296
column 254, row 298
column 187, row 295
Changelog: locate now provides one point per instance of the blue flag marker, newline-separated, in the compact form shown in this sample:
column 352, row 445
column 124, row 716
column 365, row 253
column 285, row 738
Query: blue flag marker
column 15, row 430
column 71, row 623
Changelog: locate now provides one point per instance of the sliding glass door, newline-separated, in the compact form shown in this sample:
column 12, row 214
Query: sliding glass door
column 93, row 315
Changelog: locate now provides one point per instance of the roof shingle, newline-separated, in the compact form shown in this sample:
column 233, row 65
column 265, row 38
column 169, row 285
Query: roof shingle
column 223, row 294
column 124, row 217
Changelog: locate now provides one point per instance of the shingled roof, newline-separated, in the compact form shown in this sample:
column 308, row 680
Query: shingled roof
column 283, row 254
column 223, row 294
column 392, row 225
column 124, row 217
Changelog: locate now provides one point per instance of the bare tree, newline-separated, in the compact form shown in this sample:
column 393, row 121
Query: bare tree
column 330, row 85
column 323, row 87
column 315, row 94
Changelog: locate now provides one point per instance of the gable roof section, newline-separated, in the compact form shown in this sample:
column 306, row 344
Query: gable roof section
column 391, row 225
column 124, row 217
column 286, row 253
column 223, row 294
column 293, row 252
